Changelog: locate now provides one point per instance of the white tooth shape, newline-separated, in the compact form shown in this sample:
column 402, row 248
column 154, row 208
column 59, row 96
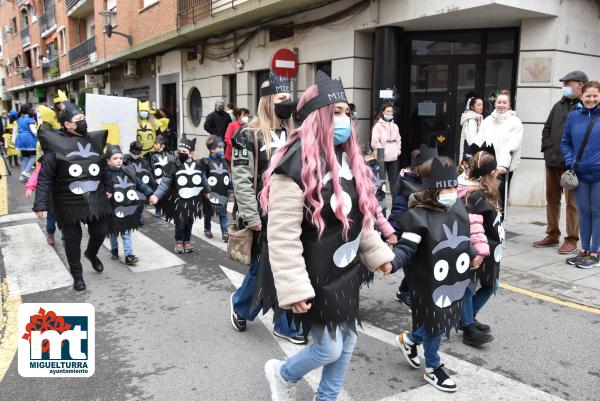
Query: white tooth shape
column 120, row 215
column 347, row 203
column 440, row 302
column 77, row 190
column 446, row 302
column 347, row 252
column 344, row 171
column 187, row 193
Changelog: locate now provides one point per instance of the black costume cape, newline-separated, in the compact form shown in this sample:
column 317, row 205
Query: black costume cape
column 125, row 201
column 332, row 262
column 184, row 200
column 218, row 181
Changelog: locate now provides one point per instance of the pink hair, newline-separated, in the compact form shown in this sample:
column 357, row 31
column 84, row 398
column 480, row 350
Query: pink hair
column 316, row 134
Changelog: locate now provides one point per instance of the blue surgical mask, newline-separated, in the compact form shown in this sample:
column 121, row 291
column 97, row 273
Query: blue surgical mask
column 448, row 199
column 342, row 129
column 144, row 114
column 567, row 91
column 220, row 154
column 388, row 117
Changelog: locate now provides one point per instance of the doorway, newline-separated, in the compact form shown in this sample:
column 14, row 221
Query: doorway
column 168, row 102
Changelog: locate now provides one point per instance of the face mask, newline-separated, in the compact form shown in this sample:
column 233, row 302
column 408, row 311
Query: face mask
column 244, row 120
column 448, row 199
column 388, row 117
column 81, row 127
column 221, row 108
column 567, row 91
column 183, row 157
column 144, row 114
column 284, row 109
column 220, row 154
column 341, row 130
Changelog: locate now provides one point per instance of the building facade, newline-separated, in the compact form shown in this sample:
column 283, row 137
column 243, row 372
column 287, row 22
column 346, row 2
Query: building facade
column 423, row 56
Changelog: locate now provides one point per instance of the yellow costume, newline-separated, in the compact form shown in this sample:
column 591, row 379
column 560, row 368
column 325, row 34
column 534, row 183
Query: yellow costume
column 147, row 127
column 8, row 140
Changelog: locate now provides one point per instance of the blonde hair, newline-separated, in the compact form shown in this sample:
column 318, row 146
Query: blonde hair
column 266, row 119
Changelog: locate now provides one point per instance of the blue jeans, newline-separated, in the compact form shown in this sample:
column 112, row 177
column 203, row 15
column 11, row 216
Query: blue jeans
column 472, row 304
column 333, row 355
column 158, row 211
column 27, row 163
column 431, row 346
column 587, row 195
column 223, row 220
column 242, row 304
column 50, row 223
column 127, row 244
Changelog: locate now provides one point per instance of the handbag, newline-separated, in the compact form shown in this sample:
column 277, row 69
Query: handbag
column 239, row 246
column 568, row 179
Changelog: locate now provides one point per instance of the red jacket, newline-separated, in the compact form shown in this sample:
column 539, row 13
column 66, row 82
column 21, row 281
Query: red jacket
column 232, row 128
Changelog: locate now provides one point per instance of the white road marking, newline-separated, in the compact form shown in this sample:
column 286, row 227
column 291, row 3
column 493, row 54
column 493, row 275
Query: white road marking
column 9, row 218
column 31, row 264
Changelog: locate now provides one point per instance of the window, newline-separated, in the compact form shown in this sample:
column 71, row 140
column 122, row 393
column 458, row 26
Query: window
column 261, row 76
column 35, row 53
column 13, row 25
column 324, row 66
column 111, row 5
column 63, row 41
column 195, row 104
column 148, row 3
column 232, row 88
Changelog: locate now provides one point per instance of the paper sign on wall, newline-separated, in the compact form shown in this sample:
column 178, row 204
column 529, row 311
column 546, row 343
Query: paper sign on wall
column 386, row 94
column 426, row 109
column 118, row 115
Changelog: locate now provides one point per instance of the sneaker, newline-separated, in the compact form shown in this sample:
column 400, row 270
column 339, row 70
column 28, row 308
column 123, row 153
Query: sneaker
column 50, row 239
column 475, row 338
column 238, row 322
column 225, row 238
column 589, row 262
column 546, row 242
column 114, row 254
column 409, row 349
column 131, row 260
column 439, row 379
column 298, row 339
column 581, row 256
column 404, row 298
column 23, row 178
column 179, row 247
column 281, row 390
column 208, row 234
column 187, row 247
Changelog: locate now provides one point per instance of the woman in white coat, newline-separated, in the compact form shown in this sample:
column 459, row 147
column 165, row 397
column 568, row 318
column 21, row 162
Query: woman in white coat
column 504, row 130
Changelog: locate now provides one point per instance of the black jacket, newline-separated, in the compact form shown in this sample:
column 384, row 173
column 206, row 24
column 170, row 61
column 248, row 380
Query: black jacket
column 553, row 130
column 216, row 123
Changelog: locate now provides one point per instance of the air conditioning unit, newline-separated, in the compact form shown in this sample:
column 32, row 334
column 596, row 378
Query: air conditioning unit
column 131, row 69
column 8, row 29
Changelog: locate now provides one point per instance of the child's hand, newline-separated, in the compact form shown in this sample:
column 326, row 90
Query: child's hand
column 476, row 262
column 386, row 269
column 108, row 195
column 300, row 307
column 153, row 200
column 392, row 239
column 28, row 193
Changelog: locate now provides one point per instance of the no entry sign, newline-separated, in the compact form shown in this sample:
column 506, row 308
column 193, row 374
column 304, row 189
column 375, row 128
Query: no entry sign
column 284, row 63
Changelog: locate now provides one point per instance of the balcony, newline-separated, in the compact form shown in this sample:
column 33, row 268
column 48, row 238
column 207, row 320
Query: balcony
column 79, row 8
column 50, row 69
column 190, row 11
column 27, row 75
column 82, row 53
column 48, row 21
column 25, row 38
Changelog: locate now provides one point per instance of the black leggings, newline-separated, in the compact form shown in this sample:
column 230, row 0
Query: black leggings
column 391, row 169
column 97, row 229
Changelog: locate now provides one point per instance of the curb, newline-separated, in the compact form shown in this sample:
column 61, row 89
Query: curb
column 9, row 307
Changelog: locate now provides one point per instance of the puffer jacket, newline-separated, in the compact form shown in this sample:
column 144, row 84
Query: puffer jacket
column 386, row 135
column 505, row 132
column 575, row 127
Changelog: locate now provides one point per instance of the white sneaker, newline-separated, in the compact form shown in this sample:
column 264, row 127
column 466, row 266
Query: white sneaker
column 439, row 379
column 281, row 390
column 409, row 349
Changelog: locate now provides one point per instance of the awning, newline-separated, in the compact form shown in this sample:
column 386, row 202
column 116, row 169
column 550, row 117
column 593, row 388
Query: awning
column 51, row 38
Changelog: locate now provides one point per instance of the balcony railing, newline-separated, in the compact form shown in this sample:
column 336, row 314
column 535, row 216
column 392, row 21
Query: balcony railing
column 48, row 19
column 71, row 3
column 82, row 51
column 50, row 69
column 25, row 39
column 27, row 75
column 190, row 11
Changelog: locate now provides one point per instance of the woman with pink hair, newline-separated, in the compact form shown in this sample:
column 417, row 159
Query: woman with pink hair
column 320, row 201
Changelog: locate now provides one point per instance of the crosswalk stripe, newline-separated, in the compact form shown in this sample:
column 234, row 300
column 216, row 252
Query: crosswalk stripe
column 31, row 264
column 9, row 218
column 152, row 255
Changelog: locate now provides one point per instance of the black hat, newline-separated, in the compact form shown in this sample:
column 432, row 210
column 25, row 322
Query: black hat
column 160, row 139
column 330, row 91
column 425, row 153
column 112, row 150
column 70, row 111
column 135, row 147
column 440, row 176
column 189, row 144
column 277, row 84
column 479, row 171
column 576, row 75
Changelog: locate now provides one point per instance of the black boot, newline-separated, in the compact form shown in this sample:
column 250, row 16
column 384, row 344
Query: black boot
column 78, row 283
column 474, row 337
column 481, row 327
column 96, row 263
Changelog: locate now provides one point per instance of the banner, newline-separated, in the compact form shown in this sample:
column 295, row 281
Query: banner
column 118, row 115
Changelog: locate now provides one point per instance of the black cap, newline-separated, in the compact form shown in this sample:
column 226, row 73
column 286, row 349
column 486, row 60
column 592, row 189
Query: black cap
column 189, row 144
column 112, row 150
column 277, row 84
column 330, row 91
column 440, row 176
column 425, row 153
column 160, row 139
column 135, row 147
column 576, row 75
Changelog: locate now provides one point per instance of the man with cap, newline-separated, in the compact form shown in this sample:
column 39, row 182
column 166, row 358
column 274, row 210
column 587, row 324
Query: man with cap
column 216, row 122
column 555, row 167
column 73, row 185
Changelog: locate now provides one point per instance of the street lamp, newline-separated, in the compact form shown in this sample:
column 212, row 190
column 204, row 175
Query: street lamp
column 108, row 25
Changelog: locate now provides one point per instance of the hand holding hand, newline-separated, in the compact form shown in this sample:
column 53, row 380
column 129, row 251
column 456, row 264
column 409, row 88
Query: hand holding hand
column 301, row 307
column 502, row 170
column 153, row 200
column 392, row 240
column 386, row 269
column 476, row 262
column 40, row 215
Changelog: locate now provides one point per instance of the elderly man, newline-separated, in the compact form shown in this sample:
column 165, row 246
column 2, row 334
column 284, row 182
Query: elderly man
column 216, row 122
column 555, row 166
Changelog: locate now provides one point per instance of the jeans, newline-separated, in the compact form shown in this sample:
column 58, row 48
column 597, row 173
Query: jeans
column 50, row 223
column 333, row 355
column 127, row 243
column 587, row 195
column 242, row 304
column 472, row 304
column 431, row 346
column 223, row 220
column 158, row 211
column 27, row 163
column 97, row 230
column 183, row 230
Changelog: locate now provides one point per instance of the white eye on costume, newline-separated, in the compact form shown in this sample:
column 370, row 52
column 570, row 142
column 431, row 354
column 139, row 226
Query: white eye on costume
column 145, row 179
column 226, row 180
column 119, row 197
column 347, row 203
column 132, row 195
column 75, row 170
column 182, row 181
column 196, row 179
column 498, row 252
column 440, row 270
column 462, row 263
column 94, row 169
column 212, row 181
column 157, row 172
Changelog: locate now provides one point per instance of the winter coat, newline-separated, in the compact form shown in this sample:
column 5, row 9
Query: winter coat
column 575, row 127
column 478, row 239
column 553, row 131
column 216, row 123
column 505, row 132
column 386, row 135
column 470, row 122
column 232, row 128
